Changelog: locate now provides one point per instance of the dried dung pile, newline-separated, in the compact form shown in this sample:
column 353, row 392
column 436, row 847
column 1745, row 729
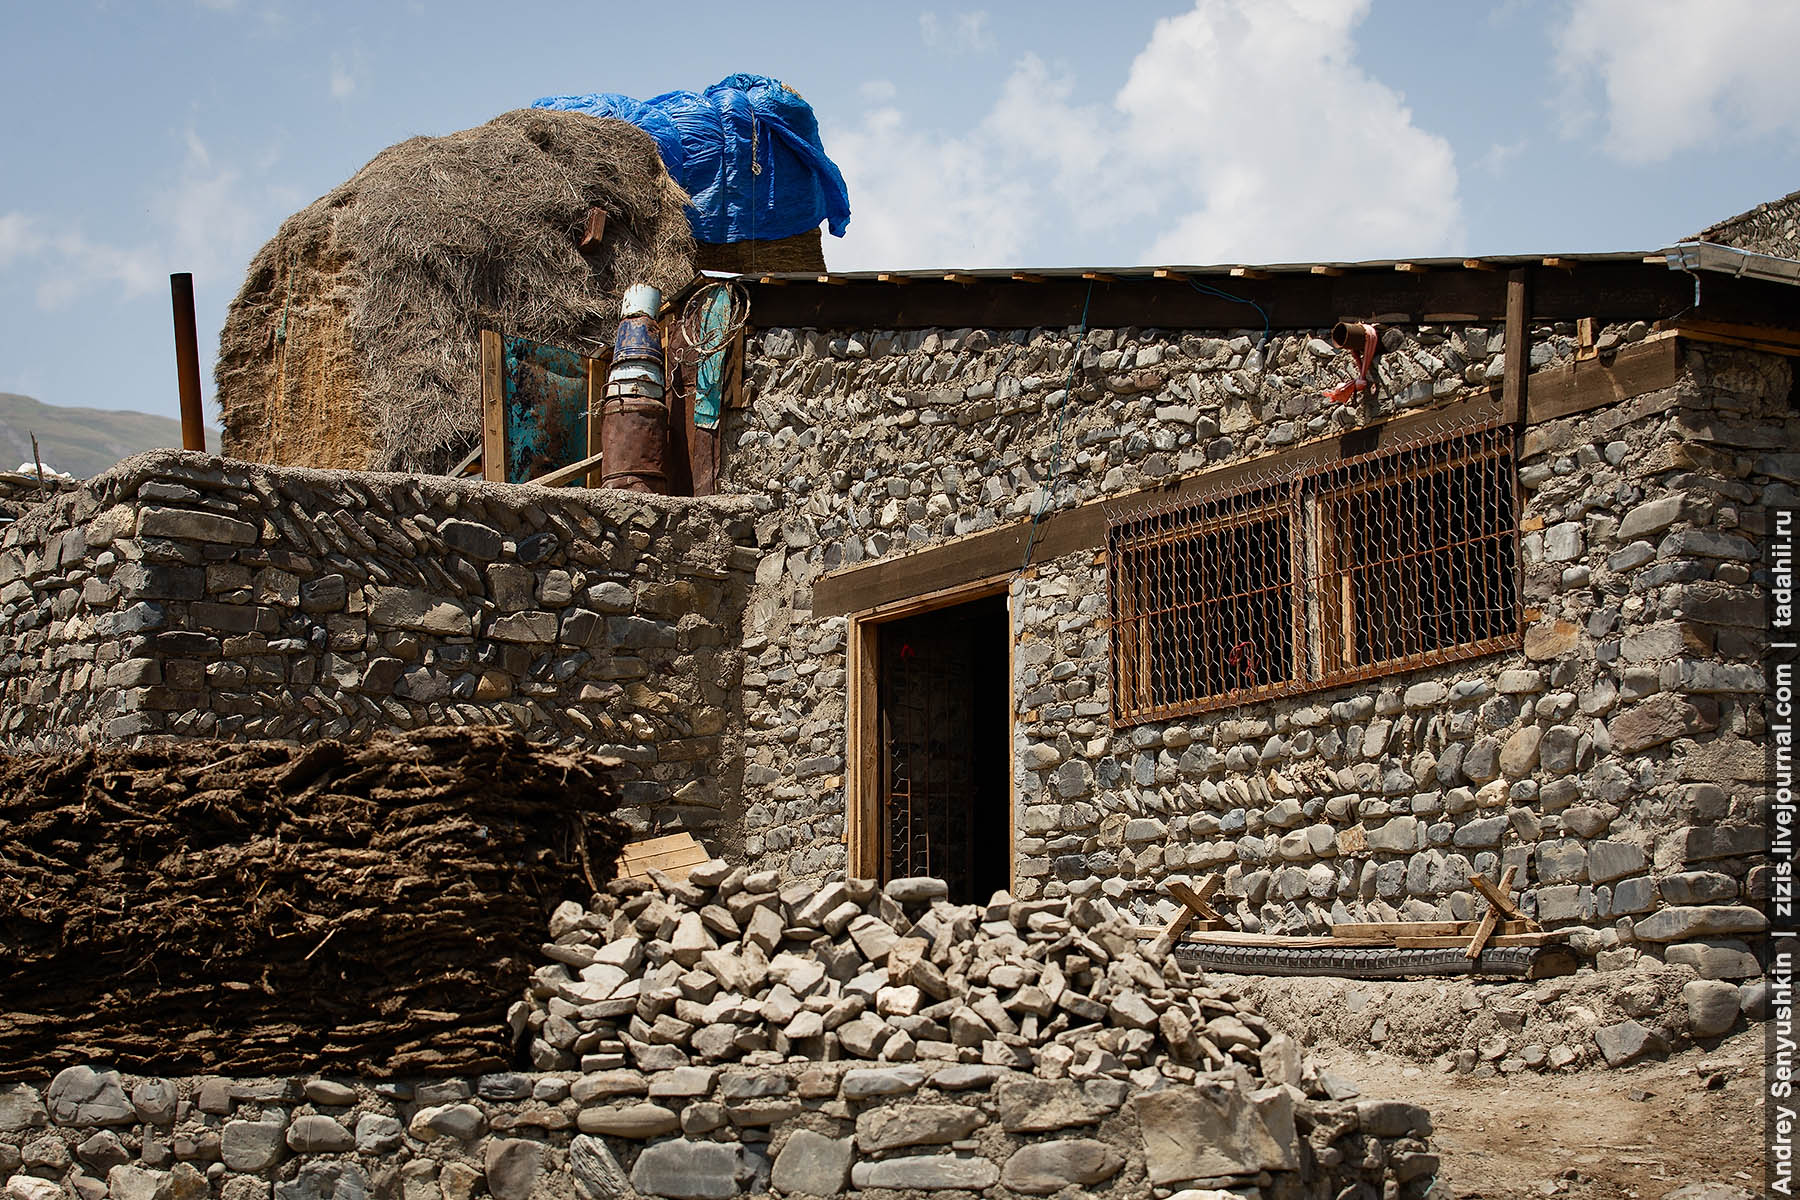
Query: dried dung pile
column 354, row 341
column 802, row 252
column 264, row 908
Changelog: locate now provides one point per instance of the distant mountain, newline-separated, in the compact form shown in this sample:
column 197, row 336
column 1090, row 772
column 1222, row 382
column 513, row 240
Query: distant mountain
column 81, row 441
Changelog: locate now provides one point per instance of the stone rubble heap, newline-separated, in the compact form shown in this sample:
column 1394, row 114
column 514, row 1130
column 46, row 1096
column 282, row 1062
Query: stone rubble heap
column 1053, row 1008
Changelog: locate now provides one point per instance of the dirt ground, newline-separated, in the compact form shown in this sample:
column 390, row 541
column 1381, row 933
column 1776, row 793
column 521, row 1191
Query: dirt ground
column 1637, row 1133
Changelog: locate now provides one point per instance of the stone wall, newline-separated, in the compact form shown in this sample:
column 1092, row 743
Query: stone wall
column 1772, row 228
column 693, row 1134
column 192, row 596
column 21, row 491
column 1616, row 759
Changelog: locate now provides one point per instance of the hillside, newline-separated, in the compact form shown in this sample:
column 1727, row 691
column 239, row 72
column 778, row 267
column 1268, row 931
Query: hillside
column 81, row 441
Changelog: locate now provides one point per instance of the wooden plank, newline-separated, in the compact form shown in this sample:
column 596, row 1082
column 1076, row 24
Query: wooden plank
column 1750, row 337
column 562, row 475
column 598, row 368
column 1648, row 366
column 1498, row 939
column 1386, row 929
column 1517, row 358
column 682, row 856
column 863, row 799
column 1194, row 908
column 1500, row 898
column 1694, row 328
column 1195, row 901
column 1584, row 340
column 657, row 845
column 468, row 460
column 1392, row 929
column 595, row 230
column 1491, row 918
column 493, row 408
column 1012, row 741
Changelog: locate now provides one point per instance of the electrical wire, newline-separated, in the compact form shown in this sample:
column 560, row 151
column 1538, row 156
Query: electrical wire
column 1206, row 289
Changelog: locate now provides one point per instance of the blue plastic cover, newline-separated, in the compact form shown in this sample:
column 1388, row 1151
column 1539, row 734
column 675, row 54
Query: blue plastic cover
column 746, row 150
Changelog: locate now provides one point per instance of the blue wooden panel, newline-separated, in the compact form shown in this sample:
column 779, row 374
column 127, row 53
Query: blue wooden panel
column 546, row 409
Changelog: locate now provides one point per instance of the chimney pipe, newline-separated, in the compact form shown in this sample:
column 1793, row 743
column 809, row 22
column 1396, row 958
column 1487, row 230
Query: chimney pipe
column 187, row 362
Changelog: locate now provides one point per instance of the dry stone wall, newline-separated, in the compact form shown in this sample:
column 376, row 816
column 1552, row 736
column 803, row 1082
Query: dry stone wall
column 184, row 595
column 1616, row 760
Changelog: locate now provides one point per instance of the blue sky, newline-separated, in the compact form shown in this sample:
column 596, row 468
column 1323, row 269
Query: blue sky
column 161, row 135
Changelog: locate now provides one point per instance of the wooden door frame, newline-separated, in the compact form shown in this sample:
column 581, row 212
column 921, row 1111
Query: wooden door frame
column 862, row 728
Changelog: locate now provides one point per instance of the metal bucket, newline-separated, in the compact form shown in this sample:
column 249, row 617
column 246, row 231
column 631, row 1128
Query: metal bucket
column 639, row 339
column 634, row 389
column 634, row 434
column 641, row 300
column 644, row 372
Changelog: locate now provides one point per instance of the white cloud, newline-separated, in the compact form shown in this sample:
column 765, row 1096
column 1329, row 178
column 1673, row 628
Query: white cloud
column 959, row 33
column 18, row 237
column 343, row 83
column 922, row 200
column 1494, row 160
column 1665, row 76
column 207, row 222
column 1244, row 132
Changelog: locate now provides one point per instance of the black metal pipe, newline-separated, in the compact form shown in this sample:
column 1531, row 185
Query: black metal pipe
column 187, row 362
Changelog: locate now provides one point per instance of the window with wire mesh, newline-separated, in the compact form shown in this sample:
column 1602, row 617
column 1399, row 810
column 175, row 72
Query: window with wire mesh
column 1203, row 604
column 1394, row 560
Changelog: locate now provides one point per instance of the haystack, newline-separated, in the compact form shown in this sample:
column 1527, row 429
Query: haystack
column 355, row 340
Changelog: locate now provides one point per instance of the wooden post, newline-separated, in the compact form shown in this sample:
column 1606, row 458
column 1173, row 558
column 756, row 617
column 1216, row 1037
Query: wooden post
column 862, row 792
column 493, row 408
column 1518, row 344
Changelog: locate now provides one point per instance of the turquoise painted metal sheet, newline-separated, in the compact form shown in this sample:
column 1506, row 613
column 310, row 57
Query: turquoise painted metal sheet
column 546, row 409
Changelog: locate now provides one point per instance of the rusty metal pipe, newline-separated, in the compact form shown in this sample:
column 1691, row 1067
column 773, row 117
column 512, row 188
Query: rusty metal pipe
column 187, row 362
column 1351, row 335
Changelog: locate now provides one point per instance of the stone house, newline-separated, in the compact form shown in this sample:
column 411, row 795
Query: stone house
column 1068, row 582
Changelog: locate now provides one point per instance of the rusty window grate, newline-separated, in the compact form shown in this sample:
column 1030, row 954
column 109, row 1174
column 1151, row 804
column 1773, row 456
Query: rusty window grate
column 1317, row 576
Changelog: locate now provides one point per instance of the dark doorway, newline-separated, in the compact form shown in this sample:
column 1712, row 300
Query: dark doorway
column 942, row 697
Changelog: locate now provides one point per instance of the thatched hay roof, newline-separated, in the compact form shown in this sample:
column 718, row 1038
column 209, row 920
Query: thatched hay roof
column 354, row 341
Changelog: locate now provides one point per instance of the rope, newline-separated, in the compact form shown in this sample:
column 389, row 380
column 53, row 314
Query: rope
column 1044, row 492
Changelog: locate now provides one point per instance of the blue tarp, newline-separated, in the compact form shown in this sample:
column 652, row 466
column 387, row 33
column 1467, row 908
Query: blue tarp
column 746, row 150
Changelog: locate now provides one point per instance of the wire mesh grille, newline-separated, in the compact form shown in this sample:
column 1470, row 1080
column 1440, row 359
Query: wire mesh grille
column 1316, row 576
